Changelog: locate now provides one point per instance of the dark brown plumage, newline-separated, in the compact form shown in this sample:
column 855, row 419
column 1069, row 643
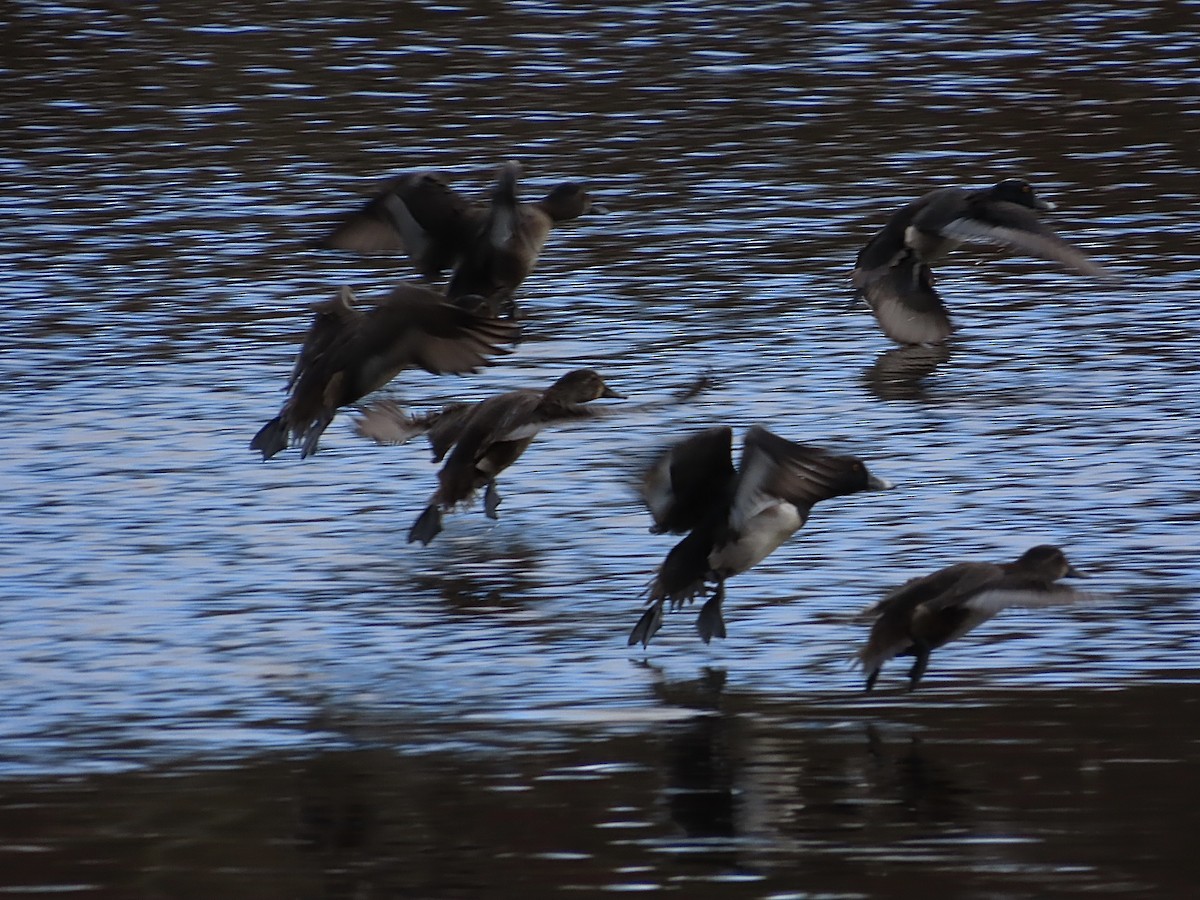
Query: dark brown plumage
column 486, row 437
column 349, row 352
column 928, row 612
column 509, row 241
column 490, row 247
column 441, row 221
column 892, row 273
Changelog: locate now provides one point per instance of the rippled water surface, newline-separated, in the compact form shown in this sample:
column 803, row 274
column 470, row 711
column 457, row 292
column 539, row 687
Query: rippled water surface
column 223, row 677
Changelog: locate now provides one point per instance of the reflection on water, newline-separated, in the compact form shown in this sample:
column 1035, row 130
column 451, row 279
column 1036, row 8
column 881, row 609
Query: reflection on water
column 223, row 677
column 901, row 373
column 1032, row 793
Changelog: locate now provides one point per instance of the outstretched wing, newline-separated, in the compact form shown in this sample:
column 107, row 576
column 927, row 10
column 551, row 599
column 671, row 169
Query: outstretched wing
column 415, row 328
column 689, row 479
column 1019, row 228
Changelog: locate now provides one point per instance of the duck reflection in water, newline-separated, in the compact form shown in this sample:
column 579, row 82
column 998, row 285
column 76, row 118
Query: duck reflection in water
column 480, row 577
column 699, row 755
column 900, row 373
column 926, row 788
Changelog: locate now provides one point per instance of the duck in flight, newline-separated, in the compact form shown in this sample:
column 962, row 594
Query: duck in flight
column 733, row 518
column 893, row 274
column 490, row 248
column 930, row 611
column 350, row 351
column 480, row 440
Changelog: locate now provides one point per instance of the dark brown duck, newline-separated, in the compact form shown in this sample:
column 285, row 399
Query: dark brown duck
column 490, row 248
column 928, row 612
column 349, row 352
column 483, row 439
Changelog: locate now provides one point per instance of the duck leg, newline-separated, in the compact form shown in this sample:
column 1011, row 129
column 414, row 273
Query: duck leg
column 871, row 676
column 428, row 525
column 921, row 652
column 711, row 623
column 647, row 625
column 491, row 500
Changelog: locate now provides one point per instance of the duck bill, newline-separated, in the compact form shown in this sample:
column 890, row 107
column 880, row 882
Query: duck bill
column 1044, row 205
column 1073, row 572
column 875, row 483
column 609, row 392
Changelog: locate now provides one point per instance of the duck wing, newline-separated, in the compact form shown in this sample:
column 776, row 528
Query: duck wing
column 494, row 261
column 1019, row 228
column 689, row 479
column 333, row 320
column 414, row 328
column 417, row 213
column 774, row 469
column 316, row 379
column 924, row 597
column 945, row 587
column 1028, row 593
column 436, row 223
column 888, row 245
column 369, row 229
column 384, row 422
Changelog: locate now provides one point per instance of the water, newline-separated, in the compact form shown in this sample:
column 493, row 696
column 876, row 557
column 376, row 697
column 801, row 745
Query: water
column 224, row 677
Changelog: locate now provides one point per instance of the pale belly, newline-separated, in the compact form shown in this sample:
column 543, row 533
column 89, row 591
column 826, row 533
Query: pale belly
column 758, row 539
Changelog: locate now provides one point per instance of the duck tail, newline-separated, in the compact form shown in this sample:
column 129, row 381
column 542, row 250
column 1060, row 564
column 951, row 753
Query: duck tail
column 874, row 654
column 384, row 422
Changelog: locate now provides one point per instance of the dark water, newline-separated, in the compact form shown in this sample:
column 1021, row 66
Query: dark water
column 228, row 678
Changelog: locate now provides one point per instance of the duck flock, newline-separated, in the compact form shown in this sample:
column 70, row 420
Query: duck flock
column 731, row 516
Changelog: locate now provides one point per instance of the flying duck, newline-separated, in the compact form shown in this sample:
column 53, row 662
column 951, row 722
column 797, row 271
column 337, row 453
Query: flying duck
column 733, row 518
column 893, row 274
column 489, row 247
column 349, row 352
column 481, row 440
column 927, row 612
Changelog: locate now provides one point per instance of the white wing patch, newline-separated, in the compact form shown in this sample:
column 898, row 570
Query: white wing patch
column 990, row 602
column 1043, row 246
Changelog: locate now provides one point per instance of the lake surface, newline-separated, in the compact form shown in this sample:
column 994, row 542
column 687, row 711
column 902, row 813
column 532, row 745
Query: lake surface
column 224, row 677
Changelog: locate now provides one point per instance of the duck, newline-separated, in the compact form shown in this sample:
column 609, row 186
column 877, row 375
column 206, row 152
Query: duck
column 506, row 247
column 733, row 518
column 490, row 248
column 929, row 611
column 892, row 272
column 478, row 441
column 350, row 351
